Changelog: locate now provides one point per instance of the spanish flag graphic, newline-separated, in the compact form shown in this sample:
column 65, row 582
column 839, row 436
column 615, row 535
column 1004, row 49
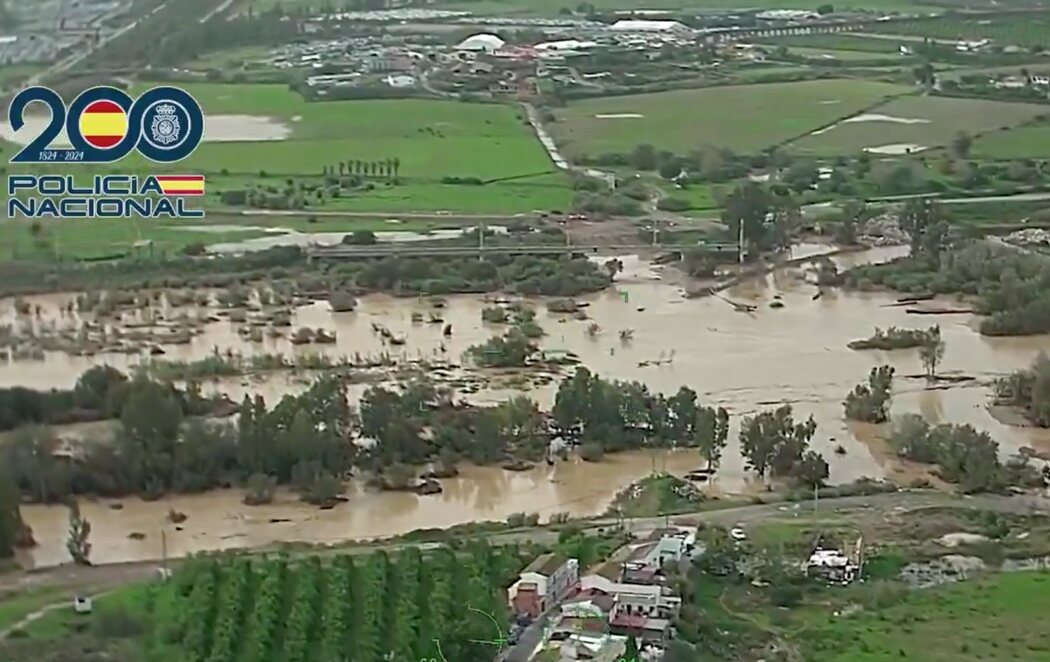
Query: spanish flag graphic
column 181, row 184
column 103, row 124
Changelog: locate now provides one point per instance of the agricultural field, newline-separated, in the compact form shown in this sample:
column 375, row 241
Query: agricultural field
column 268, row 133
column 1031, row 141
column 998, row 618
column 744, row 118
column 1026, row 30
column 919, row 122
column 404, row 606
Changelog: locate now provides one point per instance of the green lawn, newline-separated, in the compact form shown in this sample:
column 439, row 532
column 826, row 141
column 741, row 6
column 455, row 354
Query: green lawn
column 1021, row 30
column 14, row 608
column 999, row 618
column 943, row 118
column 745, row 118
column 1022, row 142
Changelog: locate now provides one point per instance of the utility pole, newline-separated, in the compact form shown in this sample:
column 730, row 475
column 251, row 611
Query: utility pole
column 740, row 243
column 816, row 498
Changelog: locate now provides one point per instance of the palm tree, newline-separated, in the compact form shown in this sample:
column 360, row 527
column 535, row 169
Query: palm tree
column 342, row 168
column 397, row 165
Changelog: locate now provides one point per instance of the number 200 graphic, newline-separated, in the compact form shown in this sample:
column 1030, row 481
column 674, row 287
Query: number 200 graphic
column 104, row 124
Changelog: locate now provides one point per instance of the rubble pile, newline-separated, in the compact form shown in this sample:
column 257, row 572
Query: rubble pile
column 883, row 230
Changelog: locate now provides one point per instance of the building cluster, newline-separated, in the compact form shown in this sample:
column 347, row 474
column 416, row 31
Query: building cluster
column 591, row 614
column 46, row 30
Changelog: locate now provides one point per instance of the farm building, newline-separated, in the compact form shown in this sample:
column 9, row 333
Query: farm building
column 667, row 27
column 481, row 43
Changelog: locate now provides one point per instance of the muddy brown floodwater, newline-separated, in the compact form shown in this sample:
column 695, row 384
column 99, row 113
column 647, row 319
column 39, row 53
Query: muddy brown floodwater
column 743, row 361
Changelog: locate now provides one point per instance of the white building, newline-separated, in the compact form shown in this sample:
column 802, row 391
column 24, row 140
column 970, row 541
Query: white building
column 787, row 15
column 565, row 45
column 545, row 581
column 481, row 43
column 669, row 27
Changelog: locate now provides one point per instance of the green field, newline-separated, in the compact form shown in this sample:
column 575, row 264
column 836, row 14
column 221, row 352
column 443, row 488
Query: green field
column 841, row 54
column 999, row 618
column 1031, row 141
column 943, row 118
column 1021, row 30
column 80, row 239
column 430, row 139
column 745, row 118
column 840, row 41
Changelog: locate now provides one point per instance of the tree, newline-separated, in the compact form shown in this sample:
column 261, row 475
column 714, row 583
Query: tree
column 852, row 213
column 711, row 431
column 77, row 539
column 870, row 403
column 13, row 530
column 643, row 157
column 961, row 144
column 931, row 351
column 825, row 9
column 811, row 470
column 259, row 489
column 773, row 443
column 631, row 653
column 921, row 221
column 748, row 205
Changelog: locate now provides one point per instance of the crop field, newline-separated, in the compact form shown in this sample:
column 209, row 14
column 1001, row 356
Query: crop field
column 744, row 118
column 402, row 607
column 1019, row 30
column 922, row 122
column 998, row 618
column 1031, row 141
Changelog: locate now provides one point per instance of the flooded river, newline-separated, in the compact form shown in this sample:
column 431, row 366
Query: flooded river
column 746, row 362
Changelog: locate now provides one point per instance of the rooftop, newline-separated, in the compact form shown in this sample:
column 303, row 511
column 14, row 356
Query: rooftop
column 546, row 564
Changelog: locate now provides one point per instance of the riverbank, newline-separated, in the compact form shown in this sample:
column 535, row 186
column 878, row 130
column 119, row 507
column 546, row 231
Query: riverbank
column 793, row 354
column 106, row 574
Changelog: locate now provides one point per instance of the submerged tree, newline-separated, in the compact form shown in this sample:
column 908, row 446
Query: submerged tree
column 931, row 351
column 79, row 531
column 870, row 402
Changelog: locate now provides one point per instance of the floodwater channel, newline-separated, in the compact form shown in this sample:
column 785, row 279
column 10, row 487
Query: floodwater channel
column 743, row 361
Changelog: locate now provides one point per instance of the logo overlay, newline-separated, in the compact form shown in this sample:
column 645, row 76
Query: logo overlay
column 105, row 125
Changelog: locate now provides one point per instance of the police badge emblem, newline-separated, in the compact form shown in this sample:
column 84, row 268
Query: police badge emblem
column 165, row 129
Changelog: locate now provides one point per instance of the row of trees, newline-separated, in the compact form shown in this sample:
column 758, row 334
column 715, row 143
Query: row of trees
column 403, row 607
column 615, row 415
column 963, row 455
column 100, row 393
column 383, row 168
